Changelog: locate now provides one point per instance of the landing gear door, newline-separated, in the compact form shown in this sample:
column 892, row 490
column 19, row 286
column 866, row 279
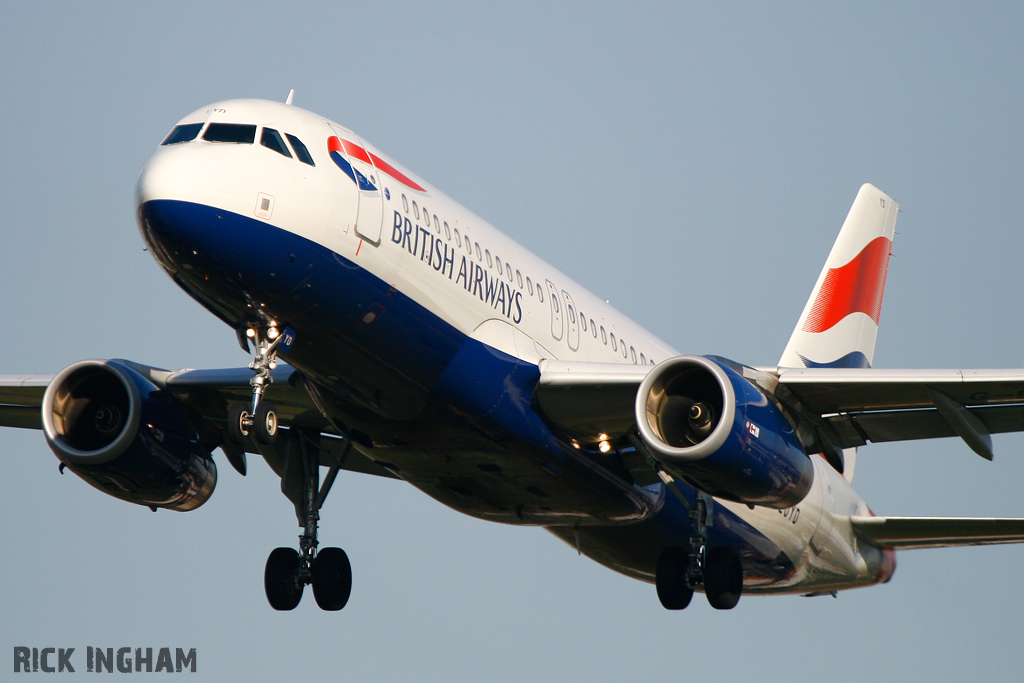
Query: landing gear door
column 366, row 178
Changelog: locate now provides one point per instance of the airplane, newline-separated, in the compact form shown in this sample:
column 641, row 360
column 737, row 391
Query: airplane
column 396, row 334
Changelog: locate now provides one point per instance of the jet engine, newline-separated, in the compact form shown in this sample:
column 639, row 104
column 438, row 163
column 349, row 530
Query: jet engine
column 119, row 432
column 711, row 427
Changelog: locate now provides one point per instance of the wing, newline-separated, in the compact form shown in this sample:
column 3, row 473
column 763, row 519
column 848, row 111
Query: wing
column 206, row 395
column 856, row 406
column 843, row 408
column 937, row 532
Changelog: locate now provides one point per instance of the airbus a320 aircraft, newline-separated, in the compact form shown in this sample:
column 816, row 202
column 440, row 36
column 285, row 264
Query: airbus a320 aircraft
column 423, row 344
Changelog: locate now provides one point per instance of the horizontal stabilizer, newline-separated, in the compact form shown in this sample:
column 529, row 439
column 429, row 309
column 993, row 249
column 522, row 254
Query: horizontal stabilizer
column 937, row 532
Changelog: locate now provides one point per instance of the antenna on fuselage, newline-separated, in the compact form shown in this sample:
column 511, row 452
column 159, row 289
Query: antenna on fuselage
column 291, row 95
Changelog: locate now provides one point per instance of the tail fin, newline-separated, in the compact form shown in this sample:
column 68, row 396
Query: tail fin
column 840, row 321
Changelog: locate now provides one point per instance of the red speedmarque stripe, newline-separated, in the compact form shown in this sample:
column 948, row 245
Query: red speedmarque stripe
column 856, row 286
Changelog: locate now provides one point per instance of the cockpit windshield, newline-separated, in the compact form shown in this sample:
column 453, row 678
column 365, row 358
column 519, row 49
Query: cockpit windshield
column 271, row 139
column 242, row 133
column 183, row 133
column 300, row 150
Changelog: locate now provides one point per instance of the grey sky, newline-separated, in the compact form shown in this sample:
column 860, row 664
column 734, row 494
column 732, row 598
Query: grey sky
column 692, row 164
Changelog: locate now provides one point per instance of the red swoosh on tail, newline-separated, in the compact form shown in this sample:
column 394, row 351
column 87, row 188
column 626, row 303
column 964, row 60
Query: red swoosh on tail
column 855, row 287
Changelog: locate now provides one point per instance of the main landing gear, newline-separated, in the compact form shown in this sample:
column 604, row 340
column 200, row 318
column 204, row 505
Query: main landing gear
column 288, row 571
column 681, row 569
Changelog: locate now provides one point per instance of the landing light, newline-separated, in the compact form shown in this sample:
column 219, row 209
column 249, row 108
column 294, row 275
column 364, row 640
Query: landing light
column 604, row 446
column 272, row 333
column 251, row 333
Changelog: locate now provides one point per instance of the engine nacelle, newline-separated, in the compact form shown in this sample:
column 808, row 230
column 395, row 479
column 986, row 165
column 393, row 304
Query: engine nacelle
column 116, row 430
column 717, row 431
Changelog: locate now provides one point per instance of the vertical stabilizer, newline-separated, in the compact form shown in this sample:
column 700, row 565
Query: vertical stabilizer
column 840, row 321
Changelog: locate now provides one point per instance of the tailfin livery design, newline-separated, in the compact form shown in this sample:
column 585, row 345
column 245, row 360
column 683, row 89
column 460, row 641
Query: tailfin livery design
column 840, row 321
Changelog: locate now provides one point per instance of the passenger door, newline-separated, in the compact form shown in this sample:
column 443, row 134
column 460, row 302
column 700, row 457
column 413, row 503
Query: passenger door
column 370, row 208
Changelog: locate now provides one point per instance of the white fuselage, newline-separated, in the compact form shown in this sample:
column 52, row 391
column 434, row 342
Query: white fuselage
column 471, row 276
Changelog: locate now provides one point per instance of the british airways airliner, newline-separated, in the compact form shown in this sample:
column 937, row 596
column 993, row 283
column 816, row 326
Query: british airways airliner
column 396, row 334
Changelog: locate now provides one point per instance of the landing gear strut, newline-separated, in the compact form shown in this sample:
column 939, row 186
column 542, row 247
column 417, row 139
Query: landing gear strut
column 680, row 570
column 288, row 572
column 259, row 419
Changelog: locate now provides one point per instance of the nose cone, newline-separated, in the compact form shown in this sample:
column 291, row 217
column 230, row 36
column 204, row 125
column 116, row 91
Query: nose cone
column 202, row 173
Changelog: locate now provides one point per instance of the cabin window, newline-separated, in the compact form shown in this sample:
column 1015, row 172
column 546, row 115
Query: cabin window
column 622, row 345
column 426, row 217
column 614, row 346
column 271, row 139
column 182, row 133
column 448, row 232
column 479, row 254
column 490, row 263
column 405, row 203
column 300, row 150
column 529, row 285
column 593, row 328
column 643, row 360
column 458, row 237
column 519, row 279
column 497, row 259
column 416, row 210
column 437, row 226
column 508, row 271
column 540, row 294
column 241, row 133
column 583, row 321
column 604, row 336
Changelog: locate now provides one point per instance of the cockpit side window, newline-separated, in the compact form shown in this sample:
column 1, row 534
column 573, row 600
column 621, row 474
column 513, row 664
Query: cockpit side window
column 271, row 139
column 300, row 150
column 183, row 133
column 243, row 133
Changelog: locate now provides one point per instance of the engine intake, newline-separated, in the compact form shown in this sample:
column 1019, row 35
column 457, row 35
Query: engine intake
column 717, row 431
column 119, row 432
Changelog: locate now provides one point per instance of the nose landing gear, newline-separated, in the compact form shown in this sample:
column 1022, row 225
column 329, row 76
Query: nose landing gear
column 259, row 419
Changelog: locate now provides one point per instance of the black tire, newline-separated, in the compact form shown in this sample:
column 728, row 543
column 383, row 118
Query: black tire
column 237, row 414
column 723, row 578
column 283, row 591
column 332, row 579
column 264, row 423
column 670, row 578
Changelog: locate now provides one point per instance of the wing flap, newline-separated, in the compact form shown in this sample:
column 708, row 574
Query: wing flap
column 904, row 533
column 856, row 429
